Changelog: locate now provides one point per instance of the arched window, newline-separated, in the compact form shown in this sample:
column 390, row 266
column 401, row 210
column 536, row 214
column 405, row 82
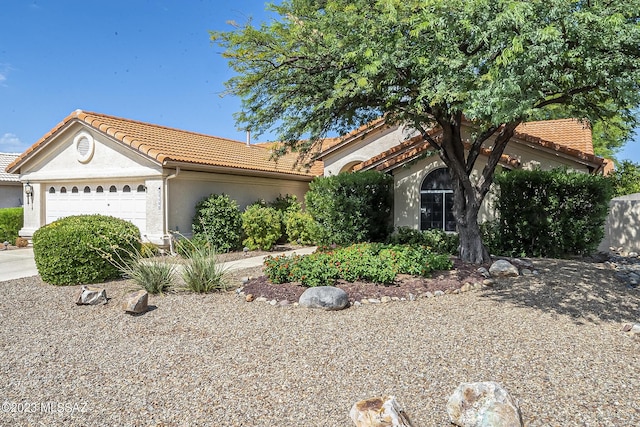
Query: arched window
column 141, row 189
column 99, row 189
column 74, row 190
column 436, row 201
column 87, row 189
column 113, row 189
column 126, row 189
column 52, row 190
column 63, row 190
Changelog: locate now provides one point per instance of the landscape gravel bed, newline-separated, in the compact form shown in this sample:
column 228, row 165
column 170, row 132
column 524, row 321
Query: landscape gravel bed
column 554, row 341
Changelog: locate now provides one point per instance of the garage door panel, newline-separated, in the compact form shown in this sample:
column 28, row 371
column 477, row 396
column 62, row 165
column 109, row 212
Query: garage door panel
column 113, row 200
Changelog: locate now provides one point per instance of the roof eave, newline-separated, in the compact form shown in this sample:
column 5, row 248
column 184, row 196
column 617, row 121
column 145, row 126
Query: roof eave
column 227, row 170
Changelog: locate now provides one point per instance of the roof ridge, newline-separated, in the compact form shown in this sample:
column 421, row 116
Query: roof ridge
column 140, row 122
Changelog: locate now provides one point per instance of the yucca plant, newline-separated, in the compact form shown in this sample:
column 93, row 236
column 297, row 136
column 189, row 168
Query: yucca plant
column 202, row 273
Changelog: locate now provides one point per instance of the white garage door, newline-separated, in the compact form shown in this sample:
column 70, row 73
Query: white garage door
column 126, row 201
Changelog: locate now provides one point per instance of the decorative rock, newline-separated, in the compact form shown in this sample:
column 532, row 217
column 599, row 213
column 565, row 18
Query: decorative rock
column 395, row 299
column 325, row 297
column 385, row 299
column 364, row 301
column 357, row 303
column 244, row 280
column 374, row 301
column 379, row 412
column 488, row 282
column 412, row 297
column 632, row 330
column 503, row 268
column 136, row 302
column 428, row 295
column 484, row 272
column 273, row 302
column 438, row 293
column 284, row 303
column 261, row 299
column 522, row 263
column 90, row 295
column 526, row 272
column 249, row 298
column 483, row 404
column 466, row 287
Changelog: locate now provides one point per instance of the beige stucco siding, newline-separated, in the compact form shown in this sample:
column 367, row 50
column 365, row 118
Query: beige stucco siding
column 188, row 188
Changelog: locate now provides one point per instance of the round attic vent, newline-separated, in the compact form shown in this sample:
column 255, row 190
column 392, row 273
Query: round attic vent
column 84, row 146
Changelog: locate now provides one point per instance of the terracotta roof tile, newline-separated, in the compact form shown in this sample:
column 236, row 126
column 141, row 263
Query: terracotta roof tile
column 163, row 144
column 570, row 133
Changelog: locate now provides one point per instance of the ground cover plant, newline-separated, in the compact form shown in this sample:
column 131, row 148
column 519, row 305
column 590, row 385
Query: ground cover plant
column 372, row 262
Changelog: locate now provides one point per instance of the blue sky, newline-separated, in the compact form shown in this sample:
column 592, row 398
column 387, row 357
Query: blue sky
column 148, row 60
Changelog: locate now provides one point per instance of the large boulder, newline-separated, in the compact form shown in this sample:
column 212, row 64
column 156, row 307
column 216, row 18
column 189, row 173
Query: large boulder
column 379, row 412
column 503, row 268
column 324, row 297
column 483, row 404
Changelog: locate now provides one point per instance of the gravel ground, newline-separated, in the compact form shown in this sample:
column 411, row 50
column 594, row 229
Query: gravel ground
column 554, row 341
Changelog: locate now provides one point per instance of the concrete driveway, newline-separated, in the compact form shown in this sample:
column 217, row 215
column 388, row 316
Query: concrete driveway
column 17, row 263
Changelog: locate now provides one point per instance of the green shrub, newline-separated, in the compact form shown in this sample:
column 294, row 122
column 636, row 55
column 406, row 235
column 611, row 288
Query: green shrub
column 70, row 250
column 262, row 226
column 11, row 221
column 373, row 262
column 301, row 228
column 218, row 218
column 202, row 273
column 551, row 213
column 438, row 240
column 185, row 246
column 351, row 207
column 155, row 275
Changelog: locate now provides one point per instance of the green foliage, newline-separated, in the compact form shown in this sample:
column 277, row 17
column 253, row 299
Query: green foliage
column 351, row 207
column 626, row 179
column 373, row 262
column 11, row 221
column 70, row 251
column 551, row 213
column 262, row 226
column 301, row 228
column 422, row 64
column 202, row 273
column 155, row 275
column 438, row 241
column 218, row 219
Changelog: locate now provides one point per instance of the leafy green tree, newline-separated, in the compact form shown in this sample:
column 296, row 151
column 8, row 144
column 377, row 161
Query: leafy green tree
column 626, row 179
column 330, row 65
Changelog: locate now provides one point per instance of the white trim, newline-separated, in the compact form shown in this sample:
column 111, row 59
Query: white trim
column 79, row 145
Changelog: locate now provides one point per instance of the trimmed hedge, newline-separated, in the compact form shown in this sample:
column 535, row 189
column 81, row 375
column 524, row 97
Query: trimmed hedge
column 351, row 207
column 72, row 250
column 550, row 213
column 11, row 221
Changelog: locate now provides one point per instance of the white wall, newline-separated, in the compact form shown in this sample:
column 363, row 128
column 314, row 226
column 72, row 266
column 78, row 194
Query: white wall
column 10, row 195
column 622, row 228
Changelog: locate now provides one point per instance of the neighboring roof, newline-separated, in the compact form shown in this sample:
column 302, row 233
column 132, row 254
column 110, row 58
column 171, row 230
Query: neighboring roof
column 168, row 145
column 5, row 160
column 570, row 133
column 331, row 144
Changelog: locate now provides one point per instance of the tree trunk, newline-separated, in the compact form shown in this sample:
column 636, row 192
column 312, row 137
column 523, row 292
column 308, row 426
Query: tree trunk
column 471, row 247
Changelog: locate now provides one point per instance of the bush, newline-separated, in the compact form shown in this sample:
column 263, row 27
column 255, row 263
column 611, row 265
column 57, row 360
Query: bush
column 439, row 241
column 70, row 250
column 262, row 226
column 11, row 221
column 154, row 275
column 351, row 207
column 551, row 213
column 202, row 273
column 218, row 219
column 301, row 228
column 371, row 262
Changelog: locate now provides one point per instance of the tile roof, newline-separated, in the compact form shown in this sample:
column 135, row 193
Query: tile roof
column 5, row 160
column 570, row 133
column 165, row 145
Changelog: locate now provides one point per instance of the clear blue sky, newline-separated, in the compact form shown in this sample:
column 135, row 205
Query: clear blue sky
column 148, row 60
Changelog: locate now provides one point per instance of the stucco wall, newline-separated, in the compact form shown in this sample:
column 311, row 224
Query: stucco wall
column 622, row 228
column 190, row 187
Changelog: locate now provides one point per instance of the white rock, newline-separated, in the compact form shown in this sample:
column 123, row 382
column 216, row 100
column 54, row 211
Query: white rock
column 483, row 404
column 325, row 297
column 90, row 295
column 379, row 412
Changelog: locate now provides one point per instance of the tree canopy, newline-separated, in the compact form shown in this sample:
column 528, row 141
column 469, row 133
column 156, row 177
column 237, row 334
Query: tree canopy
column 331, row 65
